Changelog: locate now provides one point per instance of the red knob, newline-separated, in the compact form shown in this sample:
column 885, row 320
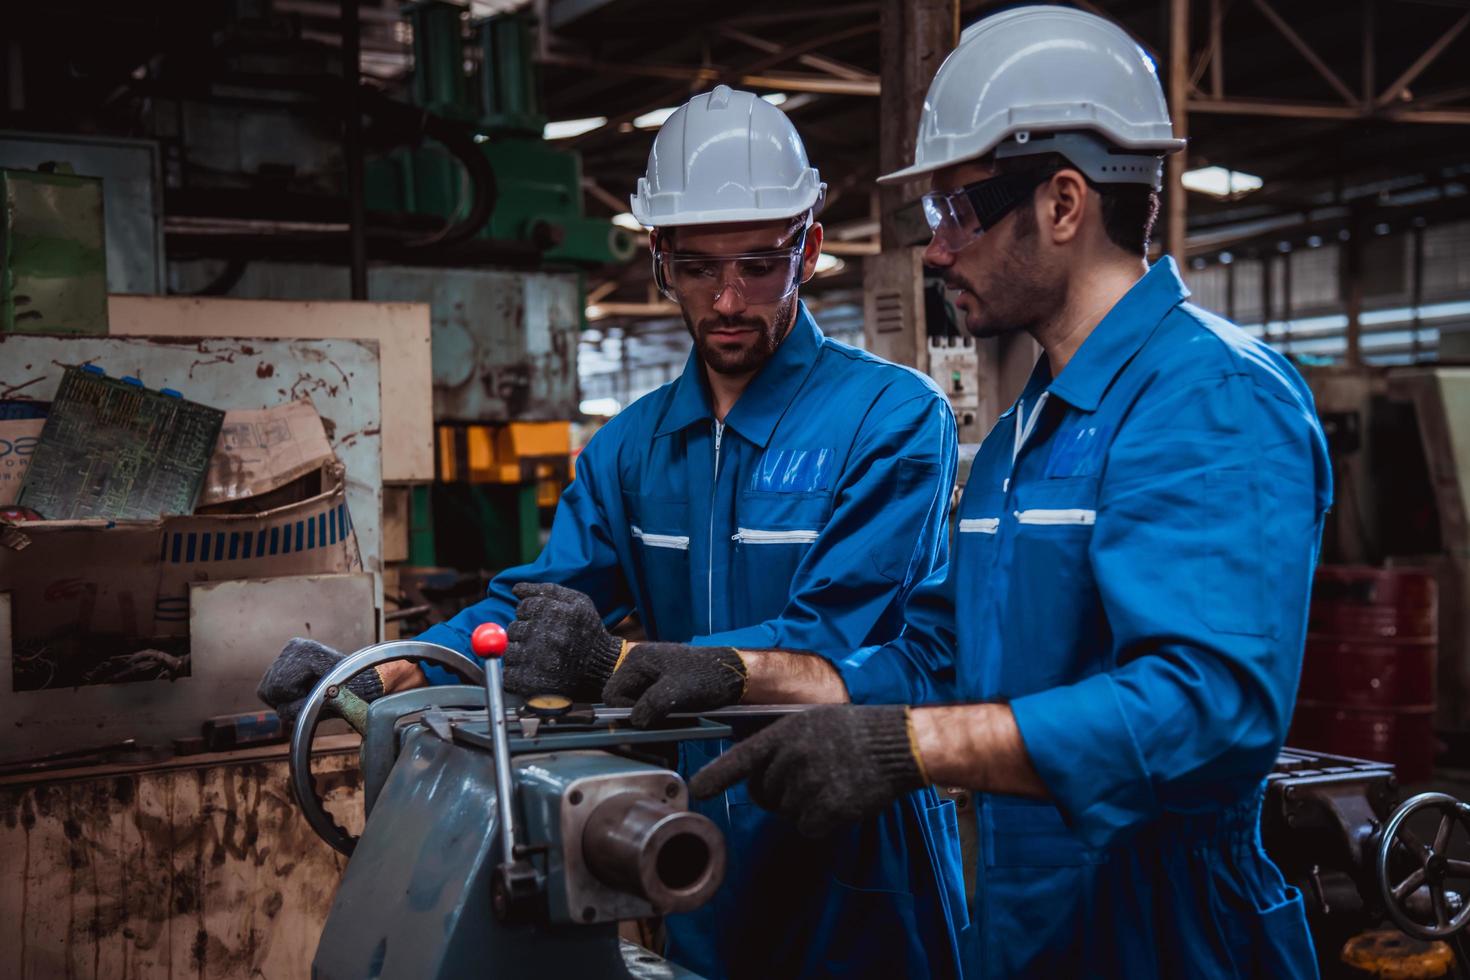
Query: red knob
column 488, row 640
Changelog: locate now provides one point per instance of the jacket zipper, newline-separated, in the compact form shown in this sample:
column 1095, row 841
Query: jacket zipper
column 713, row 496
column 979, row 525
column 746, row 535
column 1023, row 429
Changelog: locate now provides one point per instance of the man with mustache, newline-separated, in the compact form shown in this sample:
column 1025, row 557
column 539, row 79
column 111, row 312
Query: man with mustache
column 1123, row 623
column 785, row 491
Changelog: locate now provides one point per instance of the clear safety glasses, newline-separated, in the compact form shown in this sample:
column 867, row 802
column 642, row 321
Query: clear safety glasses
column 958, row 218
column 757, row 277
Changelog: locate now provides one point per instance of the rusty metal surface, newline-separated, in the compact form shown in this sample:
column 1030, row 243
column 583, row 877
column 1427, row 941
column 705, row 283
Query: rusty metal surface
column 401, row 330
column 206, row 872
column 504, row 342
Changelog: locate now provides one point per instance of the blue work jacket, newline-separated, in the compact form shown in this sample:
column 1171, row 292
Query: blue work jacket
column 801, row 522
column 1132, row 570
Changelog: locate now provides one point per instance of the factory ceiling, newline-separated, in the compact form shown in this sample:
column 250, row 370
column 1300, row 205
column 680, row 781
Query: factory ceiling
column 1331, row 104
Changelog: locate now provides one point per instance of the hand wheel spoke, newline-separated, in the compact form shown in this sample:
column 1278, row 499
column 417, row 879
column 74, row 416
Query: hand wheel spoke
column 1408, row 886
column 1442, row 836
column 1414, row 845
column 1458, row 868
column 1441, row 905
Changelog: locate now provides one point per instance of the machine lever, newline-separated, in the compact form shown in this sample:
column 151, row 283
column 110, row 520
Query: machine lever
column 516, row 884
column 489, row 642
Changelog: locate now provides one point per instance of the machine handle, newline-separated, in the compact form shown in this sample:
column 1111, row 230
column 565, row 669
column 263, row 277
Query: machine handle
column 489, row 641
column 330, row 688
column 1432, row 867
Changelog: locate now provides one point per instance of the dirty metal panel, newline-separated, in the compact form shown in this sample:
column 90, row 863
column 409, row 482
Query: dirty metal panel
column 504, row 341
column 132, row 197
column 401, row 330
column 235, row 628
column 207, row 871
column 340, row 377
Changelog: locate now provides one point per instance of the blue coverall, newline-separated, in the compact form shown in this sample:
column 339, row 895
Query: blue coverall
column 1133, row 565
column 802, row 522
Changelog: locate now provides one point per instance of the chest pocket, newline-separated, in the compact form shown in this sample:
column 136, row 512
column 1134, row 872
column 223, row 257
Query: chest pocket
column 660, row 530
column 773, row 533
column 1056, row 633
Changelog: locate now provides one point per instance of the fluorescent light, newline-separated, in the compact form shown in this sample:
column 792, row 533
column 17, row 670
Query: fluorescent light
column 600, row 406
column 655, row 119
column 594, row 312
column 1220, row 183
column 626, row 220
column 829, row 263
column 775, row 98
column 567, row 128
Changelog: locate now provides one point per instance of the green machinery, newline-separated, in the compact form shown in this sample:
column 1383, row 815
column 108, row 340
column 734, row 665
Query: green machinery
column 539, row 196
column 505, row 339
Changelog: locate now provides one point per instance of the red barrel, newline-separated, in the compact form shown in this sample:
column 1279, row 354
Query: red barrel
column 1367, row 686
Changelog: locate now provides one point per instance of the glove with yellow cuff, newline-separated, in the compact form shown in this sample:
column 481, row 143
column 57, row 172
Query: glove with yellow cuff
column 659, row 678
column 557, row 644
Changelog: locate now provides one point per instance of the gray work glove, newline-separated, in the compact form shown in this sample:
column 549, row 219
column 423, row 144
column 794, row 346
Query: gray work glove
column 558, row 644
column 659, row 678
column 293, row 674
column 823, row 767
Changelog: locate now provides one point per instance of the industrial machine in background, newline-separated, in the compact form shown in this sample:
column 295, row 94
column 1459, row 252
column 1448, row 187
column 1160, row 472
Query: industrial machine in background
column 1330, row 823
column 468, row 210
column 1391, row 615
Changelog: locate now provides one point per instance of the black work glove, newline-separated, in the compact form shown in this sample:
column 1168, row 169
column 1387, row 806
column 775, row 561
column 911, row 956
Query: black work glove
column 558, row 644
column 823, row 767
column 658, row 678
column 293, row 674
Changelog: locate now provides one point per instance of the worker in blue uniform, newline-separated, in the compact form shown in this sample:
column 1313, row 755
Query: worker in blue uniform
column 785, row 491
column 1117, row 643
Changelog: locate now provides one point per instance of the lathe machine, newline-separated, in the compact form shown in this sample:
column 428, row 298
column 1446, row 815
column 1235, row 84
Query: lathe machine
column 508, row 837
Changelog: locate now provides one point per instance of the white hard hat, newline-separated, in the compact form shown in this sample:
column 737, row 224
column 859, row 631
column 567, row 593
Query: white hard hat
column 1021, row 75
column 724, row 156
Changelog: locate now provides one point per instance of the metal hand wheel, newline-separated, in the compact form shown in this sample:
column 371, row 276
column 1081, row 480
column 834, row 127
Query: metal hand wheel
column 332, row 690
column 1433, row 867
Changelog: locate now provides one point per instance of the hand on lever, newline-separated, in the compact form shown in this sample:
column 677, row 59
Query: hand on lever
column 558, row 644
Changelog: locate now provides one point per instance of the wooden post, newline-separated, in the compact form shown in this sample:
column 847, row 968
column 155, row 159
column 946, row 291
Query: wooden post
column 915, row 37
column 1176, row 163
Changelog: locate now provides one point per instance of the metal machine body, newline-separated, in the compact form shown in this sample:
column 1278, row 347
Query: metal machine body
column 509, row 849
column 416, row 898
column 1331, row 824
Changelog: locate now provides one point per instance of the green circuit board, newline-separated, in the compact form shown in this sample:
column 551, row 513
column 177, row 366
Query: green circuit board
column 114, row 449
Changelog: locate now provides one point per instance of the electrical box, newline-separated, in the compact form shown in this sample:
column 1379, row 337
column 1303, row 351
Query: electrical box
column 53, row 255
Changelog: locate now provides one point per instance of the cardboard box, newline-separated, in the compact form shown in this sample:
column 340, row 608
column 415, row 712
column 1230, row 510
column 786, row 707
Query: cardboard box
column 263, row 450
column 18, row 440
column 86, row 591
column 237, row 629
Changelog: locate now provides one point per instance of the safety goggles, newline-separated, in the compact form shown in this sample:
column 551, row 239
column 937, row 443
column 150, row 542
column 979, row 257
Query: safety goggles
column 758, row 278
column 958, row 218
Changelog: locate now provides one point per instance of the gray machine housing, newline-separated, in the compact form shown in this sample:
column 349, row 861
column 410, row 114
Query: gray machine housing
column 416, row 898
